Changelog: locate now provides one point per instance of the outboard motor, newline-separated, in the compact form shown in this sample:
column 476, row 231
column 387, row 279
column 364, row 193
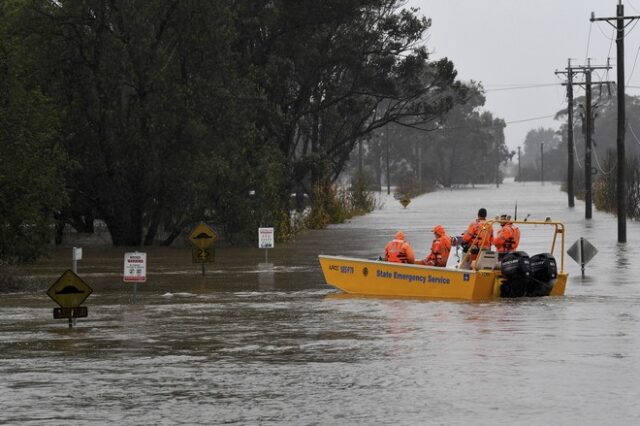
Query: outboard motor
column 516, row 269
column 544, row 272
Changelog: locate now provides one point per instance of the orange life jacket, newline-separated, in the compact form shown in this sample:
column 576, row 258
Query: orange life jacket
column 476, row 233
column 507, row 239
column 440, row 249
column 399, row 251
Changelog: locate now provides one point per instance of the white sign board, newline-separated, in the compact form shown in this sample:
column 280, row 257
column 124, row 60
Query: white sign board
column 265, row 238
column 77, row 253
column 135, row 267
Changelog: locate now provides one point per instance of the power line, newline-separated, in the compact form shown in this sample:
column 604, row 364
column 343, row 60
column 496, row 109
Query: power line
column 588, row 42
column 530, row 119
column 604, row 35
column 595, row 152
column 634, row 134
column 577, row 157
column 412, row 126
column 532, row 86
column 634, row 65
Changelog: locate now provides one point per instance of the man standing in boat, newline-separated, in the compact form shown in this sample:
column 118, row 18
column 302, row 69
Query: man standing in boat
column 399, row 250
column 478, row 236
column 440, row 249
column 507, row 238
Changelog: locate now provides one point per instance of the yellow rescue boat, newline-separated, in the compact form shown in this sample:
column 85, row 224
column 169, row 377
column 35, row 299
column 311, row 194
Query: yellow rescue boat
column 515, row 275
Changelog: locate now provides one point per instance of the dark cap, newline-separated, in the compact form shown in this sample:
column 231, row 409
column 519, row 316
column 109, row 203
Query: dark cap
column 482, row 212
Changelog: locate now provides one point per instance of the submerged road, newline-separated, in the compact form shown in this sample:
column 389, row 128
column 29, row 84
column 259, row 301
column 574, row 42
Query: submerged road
column 250, row 344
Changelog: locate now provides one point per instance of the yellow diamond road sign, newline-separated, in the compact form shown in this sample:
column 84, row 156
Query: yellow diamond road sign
column 69, row 291
column 202, row 236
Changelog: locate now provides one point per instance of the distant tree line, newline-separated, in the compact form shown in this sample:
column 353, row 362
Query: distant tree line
column 464, row 146
column 543, row 157
column 153, row 115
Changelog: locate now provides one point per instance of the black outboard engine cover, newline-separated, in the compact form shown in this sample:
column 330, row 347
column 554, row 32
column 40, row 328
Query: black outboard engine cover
column 516, row 265
column 543, row 267
column 516, row 269
column 544, row 272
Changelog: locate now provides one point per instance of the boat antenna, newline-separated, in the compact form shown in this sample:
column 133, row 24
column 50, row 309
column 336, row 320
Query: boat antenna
column 515, row 214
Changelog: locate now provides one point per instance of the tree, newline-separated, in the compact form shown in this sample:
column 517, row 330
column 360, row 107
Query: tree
column 553, row 149
column 32, row 162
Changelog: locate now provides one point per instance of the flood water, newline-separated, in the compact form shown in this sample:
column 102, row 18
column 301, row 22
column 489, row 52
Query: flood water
column 251, row 344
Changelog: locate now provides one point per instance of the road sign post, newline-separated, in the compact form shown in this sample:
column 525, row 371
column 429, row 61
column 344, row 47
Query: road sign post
column 266, row 241
column 202, row 237
column 69, row 291
column 135, row 270
column 76, row 254
column 582, row 251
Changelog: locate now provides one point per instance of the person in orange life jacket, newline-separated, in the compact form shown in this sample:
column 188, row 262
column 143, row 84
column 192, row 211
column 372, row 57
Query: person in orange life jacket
column 440, row 249
column 479, row 233
column 507, row 238
column 399, row 250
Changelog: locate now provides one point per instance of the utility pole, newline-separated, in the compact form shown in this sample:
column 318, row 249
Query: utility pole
column 621, row 184
column 519, row 177
column 542, row 163
column 570, row 148
column 587, row 149
column 388, row 153
column 588, row 128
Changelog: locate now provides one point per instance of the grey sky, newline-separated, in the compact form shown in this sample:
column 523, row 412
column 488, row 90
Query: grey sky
column 510, row 43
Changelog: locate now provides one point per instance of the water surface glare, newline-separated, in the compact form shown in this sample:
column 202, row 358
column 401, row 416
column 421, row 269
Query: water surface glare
column 252, row 344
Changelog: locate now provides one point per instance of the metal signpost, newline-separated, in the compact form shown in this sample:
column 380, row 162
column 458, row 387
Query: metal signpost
column 69, row 291
column 266, row 241
column 76, row 254
column 202, row 237
column 582, row 251
column 135, row 270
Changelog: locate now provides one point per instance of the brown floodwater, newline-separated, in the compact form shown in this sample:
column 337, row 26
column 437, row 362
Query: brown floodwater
column 256, row 343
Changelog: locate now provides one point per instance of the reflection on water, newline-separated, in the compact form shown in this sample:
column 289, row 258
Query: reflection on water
column 622, row 259
column 255, row 343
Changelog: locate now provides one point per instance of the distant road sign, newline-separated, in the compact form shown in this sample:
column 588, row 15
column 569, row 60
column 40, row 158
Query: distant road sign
column 202, row 236
column 135, row 267
column 206, row 255
column 582, row 251
column 266, row 238
column 78, row 312
column 69, row 291
column 77, row 253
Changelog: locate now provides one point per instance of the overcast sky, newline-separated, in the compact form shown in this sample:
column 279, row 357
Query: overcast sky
column 514, row 43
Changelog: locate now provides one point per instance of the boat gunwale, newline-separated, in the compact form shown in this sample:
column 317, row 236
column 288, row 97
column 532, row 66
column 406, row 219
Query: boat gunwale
column 396, row 264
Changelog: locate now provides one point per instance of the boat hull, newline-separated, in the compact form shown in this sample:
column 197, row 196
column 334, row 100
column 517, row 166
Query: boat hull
column 379, row 278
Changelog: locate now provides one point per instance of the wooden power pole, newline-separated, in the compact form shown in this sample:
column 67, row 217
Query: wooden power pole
column 620, row 178
column 588, row 128
column 570, row 147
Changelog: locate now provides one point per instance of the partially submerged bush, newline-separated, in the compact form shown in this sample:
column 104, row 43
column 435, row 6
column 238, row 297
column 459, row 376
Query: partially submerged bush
column 330, row 204
column 12, row 281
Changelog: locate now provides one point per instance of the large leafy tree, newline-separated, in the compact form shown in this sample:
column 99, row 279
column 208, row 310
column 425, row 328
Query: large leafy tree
column 145, row 89
column 32, row 162
column 334, row 71
column 176, row 111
